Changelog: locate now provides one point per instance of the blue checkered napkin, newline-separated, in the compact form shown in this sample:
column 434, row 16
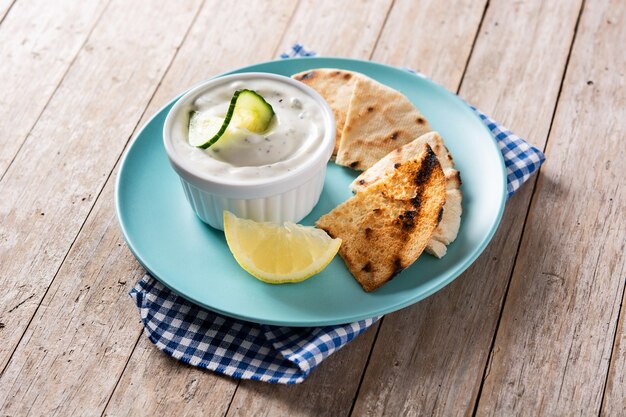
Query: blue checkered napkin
column 520, row 158
column 233, row 347
column 295, row 51
column 275, row 354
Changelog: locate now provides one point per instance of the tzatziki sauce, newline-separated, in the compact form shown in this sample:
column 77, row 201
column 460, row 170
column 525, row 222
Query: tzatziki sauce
column 296, row 130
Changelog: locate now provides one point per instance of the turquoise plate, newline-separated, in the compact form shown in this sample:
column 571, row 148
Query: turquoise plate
column 192, row 259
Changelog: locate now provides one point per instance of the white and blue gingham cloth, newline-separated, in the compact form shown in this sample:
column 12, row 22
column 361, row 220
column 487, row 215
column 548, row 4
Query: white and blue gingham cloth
column 276, row 354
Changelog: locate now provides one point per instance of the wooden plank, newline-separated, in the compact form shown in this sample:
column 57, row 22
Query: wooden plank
column 49, row 190
column 42, row 207
column 155, row 384
column 199, row 59
column 430, row 358
column 93, row 283
column 318, row 395
column 81, row 336
column 431, row 36
column 39, row 42
column 328, row 391
column 167, row 385
column 613, row 403
column 554, row 342
column 5, row 6
column 347, row 28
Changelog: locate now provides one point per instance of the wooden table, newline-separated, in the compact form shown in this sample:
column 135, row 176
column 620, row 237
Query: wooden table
column 535, row 327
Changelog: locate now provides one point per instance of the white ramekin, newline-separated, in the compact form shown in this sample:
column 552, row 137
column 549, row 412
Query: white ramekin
column 289, row 197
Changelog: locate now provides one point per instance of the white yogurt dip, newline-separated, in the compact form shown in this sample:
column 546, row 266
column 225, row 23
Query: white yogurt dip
column 297, row 129
column 276, row 176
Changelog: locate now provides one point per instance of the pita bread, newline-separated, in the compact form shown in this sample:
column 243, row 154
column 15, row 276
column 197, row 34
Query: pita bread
column 379, row 119
column 385, row 227
column 448, row 228
column 336, row 87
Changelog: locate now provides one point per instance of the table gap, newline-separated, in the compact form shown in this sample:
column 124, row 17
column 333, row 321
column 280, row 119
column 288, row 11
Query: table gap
column 276, row 51
column 612, row 356
column 528, row 210
column 7, row 11
column 13, row 159
column 53, row 93
column 380, row 32
column 111, row 173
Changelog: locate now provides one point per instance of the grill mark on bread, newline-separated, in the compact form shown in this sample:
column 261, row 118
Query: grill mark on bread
column 440, row 215
column 306, row 76
column 370, row 109
column 396, row 166
column 397, row 268
column 420, row 121
column 426, row 170
column 408, row 220
column 394, row 135
column 402, row 209
column 417, row 200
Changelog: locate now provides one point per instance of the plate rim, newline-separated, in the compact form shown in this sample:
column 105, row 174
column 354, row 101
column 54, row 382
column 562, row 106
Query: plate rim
column 450, row 275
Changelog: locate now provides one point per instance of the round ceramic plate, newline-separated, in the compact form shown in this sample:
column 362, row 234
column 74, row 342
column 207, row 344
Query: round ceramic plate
column 193, row 259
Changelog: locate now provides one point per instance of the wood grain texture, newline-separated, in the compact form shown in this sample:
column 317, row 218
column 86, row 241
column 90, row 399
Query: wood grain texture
column 554, row 342
column 347, row 28
column 613, row 403
column 50, row 189
column 430, row 358
column 47, row 193
column 82, row 334
column 5, row 6
column 154, row 383
column 255, row 32
column 39, row 41
column 431, row 36
column 328, row 391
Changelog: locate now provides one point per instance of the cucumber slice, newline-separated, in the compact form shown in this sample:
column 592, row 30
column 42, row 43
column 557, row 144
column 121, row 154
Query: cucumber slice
column 251, row 111
column 247, row 110
column 205, row 130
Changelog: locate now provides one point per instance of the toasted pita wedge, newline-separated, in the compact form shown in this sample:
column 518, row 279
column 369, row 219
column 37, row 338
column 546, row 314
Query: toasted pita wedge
column 386, row 227
column 336, row 86
column 379, row 120
column 399, row 155
column 448, row 228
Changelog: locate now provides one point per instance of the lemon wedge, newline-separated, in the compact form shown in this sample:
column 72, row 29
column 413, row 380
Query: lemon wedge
column 278, row 254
